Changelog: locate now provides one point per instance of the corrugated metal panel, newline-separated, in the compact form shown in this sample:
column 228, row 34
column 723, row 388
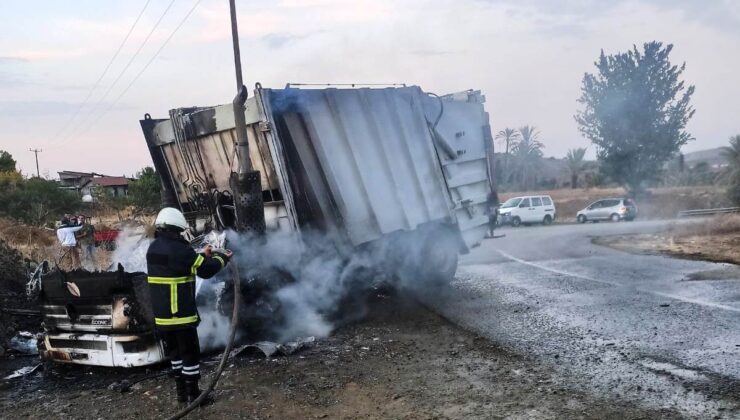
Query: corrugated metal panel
column 373, row 150
column 464, row 127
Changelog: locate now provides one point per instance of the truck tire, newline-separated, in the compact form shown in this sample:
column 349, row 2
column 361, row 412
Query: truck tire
column 439, row 258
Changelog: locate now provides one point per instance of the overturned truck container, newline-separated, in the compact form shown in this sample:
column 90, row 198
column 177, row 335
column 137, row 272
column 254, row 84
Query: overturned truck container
column 359, row 164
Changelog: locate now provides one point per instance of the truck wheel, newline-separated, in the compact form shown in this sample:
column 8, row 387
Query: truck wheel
column 439, row 258
column 547, row 220
column 516, row 221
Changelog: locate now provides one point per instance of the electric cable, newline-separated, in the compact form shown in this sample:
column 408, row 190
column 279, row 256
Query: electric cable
column 122, row 72
column 102, row 75
column 146, row 66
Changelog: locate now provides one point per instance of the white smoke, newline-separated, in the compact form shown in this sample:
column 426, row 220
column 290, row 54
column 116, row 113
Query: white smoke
column 329, row 282
column 316, row 282
column 130, row 252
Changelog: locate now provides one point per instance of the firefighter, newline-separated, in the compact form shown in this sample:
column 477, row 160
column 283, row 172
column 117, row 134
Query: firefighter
column 172, row 266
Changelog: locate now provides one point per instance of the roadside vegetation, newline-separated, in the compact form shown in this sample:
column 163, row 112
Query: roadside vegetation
column 30, row 208
column 716, row 239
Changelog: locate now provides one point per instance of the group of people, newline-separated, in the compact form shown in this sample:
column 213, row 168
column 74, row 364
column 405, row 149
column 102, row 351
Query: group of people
column 74, row 232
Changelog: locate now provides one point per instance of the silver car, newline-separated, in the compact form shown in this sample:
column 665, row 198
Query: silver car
column 614, row 209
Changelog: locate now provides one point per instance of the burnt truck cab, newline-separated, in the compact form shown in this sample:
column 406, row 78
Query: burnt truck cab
column 98, row 318
column 360, row 165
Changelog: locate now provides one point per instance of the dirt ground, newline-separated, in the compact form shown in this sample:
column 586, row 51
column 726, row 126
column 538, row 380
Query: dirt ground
column 402, row 361
column 717, row 239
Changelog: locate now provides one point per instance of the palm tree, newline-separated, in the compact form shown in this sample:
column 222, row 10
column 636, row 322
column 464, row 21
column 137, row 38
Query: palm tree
column 574, row 160
column 731, row 173
column 528, row 152
column 509, row 136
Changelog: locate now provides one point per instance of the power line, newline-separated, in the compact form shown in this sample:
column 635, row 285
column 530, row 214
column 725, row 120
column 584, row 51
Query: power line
column 36, row 152
column 105, row 71
column 146, row 66
column 125, row 68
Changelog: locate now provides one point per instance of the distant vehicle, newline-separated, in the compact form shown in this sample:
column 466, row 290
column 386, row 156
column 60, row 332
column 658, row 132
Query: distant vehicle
column 614, row 209
column 527, row 209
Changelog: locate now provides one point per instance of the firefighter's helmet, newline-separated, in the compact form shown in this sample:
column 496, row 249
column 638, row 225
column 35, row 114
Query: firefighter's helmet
column 170, row 217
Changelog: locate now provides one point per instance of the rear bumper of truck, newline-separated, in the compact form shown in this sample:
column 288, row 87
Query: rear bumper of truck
column 111, row 350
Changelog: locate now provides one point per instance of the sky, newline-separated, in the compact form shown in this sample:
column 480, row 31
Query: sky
column 527, row 56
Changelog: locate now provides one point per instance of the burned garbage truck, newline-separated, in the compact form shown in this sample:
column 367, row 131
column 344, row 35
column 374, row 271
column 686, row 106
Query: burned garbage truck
column 391, row 168
column 361, row 165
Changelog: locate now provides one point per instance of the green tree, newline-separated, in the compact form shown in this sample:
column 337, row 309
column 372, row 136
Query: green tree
column 144, row 192
column 110, row 202
column 731, row 173
column 37, row 201
column 635, row 110
column 575, row 161
column 7, row 163
column 527, row 153
column 509, row 136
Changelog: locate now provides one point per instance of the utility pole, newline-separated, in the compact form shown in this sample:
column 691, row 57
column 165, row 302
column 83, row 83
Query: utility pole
column 245, row 164
column 246, row 184
column 36, row 152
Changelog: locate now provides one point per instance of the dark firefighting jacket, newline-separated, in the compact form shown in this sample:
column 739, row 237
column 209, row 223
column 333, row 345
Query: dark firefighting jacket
column 172, row 266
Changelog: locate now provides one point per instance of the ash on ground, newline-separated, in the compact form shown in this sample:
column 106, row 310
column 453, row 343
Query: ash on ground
column 400, row 361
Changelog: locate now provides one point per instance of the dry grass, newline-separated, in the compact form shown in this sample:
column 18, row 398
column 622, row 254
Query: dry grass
column 716, row 239
column 726, row 224
column 657, row 203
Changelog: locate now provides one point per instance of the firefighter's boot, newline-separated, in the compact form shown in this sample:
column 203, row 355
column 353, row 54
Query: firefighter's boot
column 194, row 392
column 182, row 390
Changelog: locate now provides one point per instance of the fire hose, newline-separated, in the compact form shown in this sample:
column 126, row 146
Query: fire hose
column 229, row 345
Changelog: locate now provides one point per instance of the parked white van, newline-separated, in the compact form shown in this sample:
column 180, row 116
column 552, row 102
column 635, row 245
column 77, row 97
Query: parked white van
column 527, row 209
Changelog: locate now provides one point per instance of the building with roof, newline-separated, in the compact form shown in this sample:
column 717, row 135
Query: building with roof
column 117, row 186
column 85, row 182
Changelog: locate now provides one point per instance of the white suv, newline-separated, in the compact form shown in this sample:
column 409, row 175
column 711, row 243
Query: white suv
column 527, row 209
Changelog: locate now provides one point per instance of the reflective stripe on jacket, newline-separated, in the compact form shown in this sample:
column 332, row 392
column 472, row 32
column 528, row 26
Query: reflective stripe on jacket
column 172, row 266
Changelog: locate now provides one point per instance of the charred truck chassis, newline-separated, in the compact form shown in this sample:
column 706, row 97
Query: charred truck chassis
column 98, row 318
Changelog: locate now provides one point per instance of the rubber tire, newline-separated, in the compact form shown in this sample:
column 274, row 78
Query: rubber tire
column 516, row 221
column 547, row 221
column 581, row 219
column 615, row 217
column 442, row 258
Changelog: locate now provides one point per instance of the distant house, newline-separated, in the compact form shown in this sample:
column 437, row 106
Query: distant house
column 117, row 186
column 71, row 180
column 85, row 182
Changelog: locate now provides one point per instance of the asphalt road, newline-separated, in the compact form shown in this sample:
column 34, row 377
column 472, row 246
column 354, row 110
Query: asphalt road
column 621, row 326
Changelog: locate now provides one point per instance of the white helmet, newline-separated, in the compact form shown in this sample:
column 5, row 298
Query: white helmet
column 169, row 216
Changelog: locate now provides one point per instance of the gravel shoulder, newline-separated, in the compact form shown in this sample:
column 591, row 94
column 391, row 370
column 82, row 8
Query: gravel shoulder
column 401, row 361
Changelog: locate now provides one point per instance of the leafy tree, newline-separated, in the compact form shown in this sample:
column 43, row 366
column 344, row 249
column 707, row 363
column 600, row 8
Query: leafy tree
column 509, row 136
column 37, row 201
column 731, row 174
column 7, row 163
column 527, row 153
column 144, row 191
column 575, row 162
column 635, row 110
column 110, row 202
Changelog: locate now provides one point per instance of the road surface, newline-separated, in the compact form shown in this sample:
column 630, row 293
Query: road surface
column 623, row 326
